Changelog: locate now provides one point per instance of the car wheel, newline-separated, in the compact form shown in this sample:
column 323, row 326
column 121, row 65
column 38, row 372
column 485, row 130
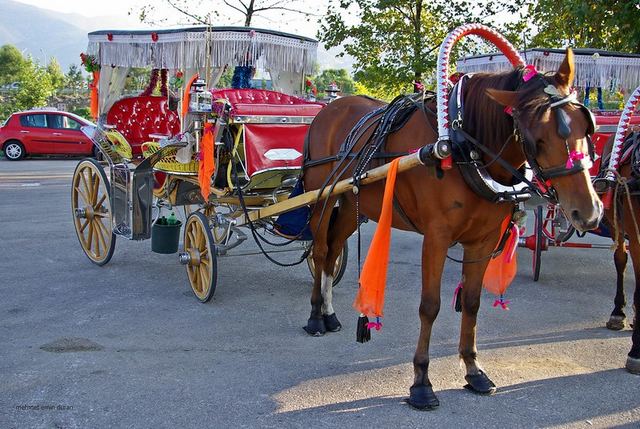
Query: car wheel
column 14, row 150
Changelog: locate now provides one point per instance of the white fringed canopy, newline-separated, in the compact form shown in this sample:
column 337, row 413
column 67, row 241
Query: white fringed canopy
column 190, row 47
column 594, row 68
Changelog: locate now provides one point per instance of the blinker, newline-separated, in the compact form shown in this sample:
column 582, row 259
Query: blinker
column 564, row 123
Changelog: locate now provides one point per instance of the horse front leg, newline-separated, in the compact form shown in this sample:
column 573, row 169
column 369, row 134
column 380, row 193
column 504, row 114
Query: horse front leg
column 633, row 359
column 421, row 394
column 617, row 319
column 473, row 273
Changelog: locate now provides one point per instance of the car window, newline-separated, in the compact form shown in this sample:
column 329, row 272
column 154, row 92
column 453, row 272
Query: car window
column 63, row 122
column 38, row 120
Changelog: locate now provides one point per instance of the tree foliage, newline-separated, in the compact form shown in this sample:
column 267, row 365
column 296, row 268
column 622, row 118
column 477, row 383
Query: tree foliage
column 11, row 63
column 395, row 42
column 35, row 87
column 605, row 24
column 55, row 74
column 74, row 80
column 232, row 11
column 340, row 76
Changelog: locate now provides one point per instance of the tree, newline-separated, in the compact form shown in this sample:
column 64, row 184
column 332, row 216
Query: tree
column 340, row 76
column 74, row 79
column 246, row 10
column 55, row 74
column 395, row 42
column 11, row 64
column 35, row 87
column 606, row 24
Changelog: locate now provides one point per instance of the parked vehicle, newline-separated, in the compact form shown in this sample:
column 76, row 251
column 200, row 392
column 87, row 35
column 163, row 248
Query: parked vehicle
column 44, row 132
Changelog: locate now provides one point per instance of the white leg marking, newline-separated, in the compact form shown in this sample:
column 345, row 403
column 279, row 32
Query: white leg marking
column 326, row 287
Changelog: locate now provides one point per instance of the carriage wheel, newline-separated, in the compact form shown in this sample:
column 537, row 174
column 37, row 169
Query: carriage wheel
column 200, row 256
column 537, row 252
column 339, row 268
column 91, row 208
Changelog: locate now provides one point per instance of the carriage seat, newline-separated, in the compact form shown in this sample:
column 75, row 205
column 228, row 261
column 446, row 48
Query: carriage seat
column 137, row 117
column 263, row 102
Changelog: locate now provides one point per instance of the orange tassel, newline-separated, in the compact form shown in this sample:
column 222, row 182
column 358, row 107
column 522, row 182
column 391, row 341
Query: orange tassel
column 370, row 298
column 502, row 269
column 207, row 163
column 93, row 102
column 187, row 96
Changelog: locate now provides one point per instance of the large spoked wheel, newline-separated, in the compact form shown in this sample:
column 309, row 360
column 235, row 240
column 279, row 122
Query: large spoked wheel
column 91, row 208
column 338, row 269
column 200, row 256
column 539, row 236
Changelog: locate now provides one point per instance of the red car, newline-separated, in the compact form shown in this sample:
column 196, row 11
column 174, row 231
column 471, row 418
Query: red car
column 44, row 132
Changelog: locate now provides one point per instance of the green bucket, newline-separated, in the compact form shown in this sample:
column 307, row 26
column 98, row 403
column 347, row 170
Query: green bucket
column 165, row 238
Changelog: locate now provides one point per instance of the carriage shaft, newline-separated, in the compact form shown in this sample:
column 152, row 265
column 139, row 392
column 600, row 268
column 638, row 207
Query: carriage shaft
column 406, row 162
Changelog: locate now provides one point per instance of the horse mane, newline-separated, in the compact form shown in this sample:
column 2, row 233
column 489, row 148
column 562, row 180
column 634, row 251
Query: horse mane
column 485, row 119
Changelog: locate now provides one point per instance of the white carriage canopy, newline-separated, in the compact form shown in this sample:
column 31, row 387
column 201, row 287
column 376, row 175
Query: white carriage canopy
column 594, row 67
column 286, row 57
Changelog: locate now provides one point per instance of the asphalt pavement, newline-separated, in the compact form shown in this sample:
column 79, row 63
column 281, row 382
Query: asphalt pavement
column 128, row 345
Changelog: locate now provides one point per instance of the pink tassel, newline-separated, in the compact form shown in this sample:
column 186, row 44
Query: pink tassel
column 573, row 156
column 531, row 72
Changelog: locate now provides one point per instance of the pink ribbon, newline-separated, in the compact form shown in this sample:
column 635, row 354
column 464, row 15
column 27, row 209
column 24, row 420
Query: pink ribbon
column 573, row 156
column 455, row 294
column 502, row 303
column 508, row 110
column 377, row 325
column 531, row 72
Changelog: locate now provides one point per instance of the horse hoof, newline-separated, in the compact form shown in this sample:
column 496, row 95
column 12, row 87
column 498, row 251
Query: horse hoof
column 315, row 327
column 331, row 322
column 633, row 365
column 480, row 384
column 616, row 323
column 422, row 398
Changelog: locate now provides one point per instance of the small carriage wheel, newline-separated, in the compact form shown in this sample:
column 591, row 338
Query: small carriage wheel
column 202, row 266
column 539, row 235
column 339, row 268
column 91, row 209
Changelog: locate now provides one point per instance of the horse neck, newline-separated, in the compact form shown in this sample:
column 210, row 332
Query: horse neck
column 486, row 120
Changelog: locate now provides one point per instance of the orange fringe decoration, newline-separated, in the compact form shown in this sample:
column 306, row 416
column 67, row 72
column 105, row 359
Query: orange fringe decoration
column 187, row 97
column 370, row 298
column 93, row 102
column 207, row 164
column 502, row 269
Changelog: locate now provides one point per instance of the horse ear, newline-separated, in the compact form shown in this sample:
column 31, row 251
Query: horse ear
column 567, row 69
column 506, row 98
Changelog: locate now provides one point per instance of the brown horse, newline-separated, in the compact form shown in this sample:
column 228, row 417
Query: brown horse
column 442, row 207
column 625, row 226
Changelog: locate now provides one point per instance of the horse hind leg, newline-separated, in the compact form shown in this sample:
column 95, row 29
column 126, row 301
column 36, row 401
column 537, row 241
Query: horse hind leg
column 341, row 226
column 633, row 359
column 617, row 319
column 319, row 225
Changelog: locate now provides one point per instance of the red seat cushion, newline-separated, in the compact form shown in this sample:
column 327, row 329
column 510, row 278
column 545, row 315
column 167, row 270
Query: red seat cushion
column 137, row 117
column 266, row 103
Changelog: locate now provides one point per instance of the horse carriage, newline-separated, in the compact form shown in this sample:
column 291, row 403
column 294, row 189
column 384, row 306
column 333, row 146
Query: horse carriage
column 219, row 153
column 211, row 157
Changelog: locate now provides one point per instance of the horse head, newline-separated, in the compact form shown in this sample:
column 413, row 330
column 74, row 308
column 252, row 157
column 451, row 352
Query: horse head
column 555, row 131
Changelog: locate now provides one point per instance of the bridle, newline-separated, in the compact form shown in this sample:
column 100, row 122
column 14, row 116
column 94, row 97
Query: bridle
column 576, row 162
column 474, row 170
